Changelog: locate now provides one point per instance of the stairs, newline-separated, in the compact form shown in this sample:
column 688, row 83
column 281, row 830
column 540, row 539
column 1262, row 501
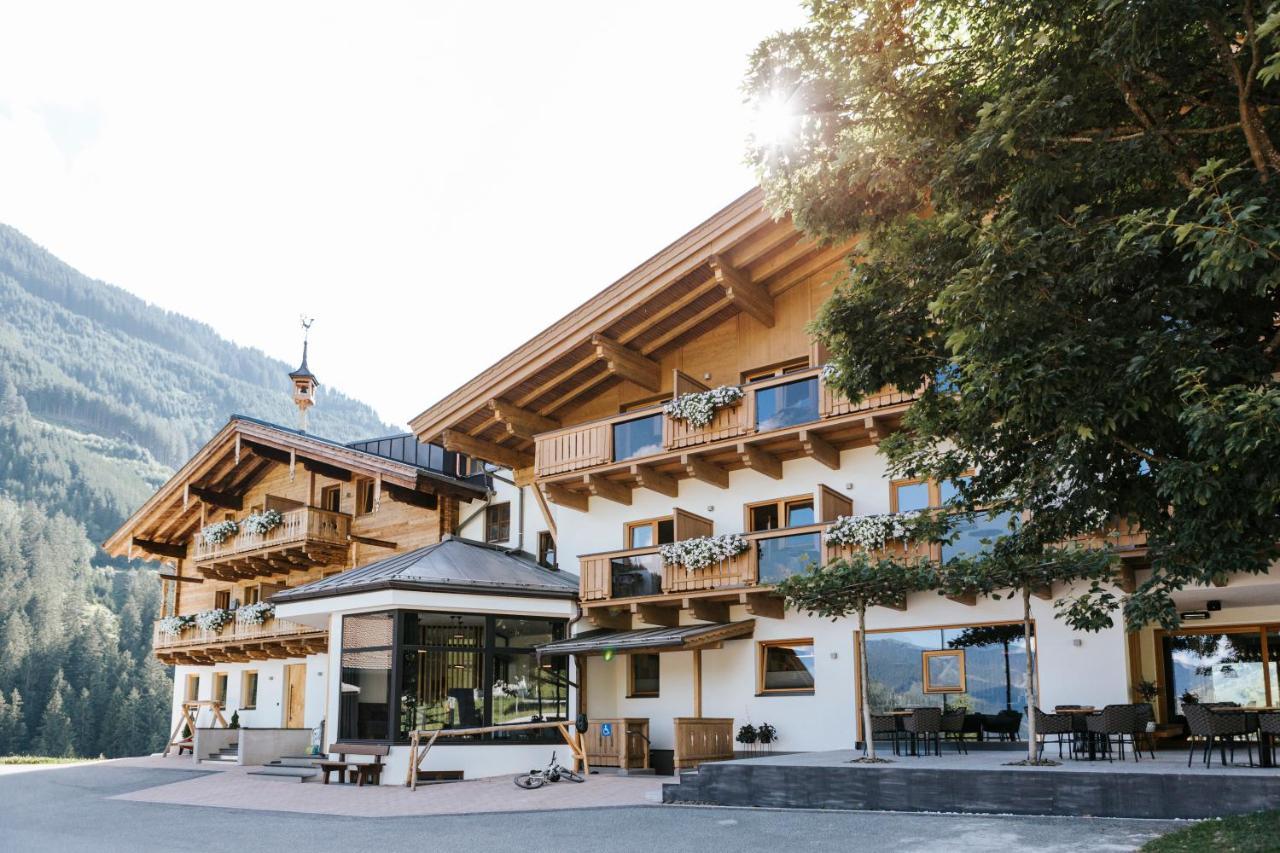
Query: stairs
column 229, row 755
column 290, row 767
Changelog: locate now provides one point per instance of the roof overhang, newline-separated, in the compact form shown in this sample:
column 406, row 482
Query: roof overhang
column 437, row 586
column 650, row 640
column 737, row 261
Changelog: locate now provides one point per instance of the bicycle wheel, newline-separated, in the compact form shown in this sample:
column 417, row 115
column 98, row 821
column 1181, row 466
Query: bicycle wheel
column 571, row 776
column 529, row 781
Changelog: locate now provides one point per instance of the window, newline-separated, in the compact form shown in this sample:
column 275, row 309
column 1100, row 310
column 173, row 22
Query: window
column 364, row 710
column 220, row 688
column 786, row 666
column 644, row 676
column 787, row 404
column 222, row 599
column 546, row 550
column 763, row 373
column 249, row 690
column 787, row 512
column 969, row 537
column 252, row 594
column 779, row 557
column 192, row 692
column 641, row 437
column 650, row 532
column 364, row 496
column 331, row 498
column 910, row 496
column 169, row 598
column 497, row 522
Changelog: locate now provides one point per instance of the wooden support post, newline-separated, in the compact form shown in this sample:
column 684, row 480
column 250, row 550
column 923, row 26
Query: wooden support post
column 237, row 448
column 700, row 469
column 667, row 617
column 377, row 492
column 697, row 682
column 293, row 464
column 558, row 494
column 649, row 478
column 607, row 489
column 760, row 460
column 820, row 449
column 708, row 611
column 745, row 294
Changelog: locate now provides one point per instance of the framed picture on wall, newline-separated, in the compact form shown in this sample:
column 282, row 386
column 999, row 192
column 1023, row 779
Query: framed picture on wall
column 943, row 671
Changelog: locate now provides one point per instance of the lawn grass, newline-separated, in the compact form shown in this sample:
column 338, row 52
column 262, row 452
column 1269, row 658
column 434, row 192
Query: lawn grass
column 38, row 759
column 1251, row 833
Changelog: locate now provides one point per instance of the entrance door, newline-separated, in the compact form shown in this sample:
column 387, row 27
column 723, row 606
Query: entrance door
column 295, row 695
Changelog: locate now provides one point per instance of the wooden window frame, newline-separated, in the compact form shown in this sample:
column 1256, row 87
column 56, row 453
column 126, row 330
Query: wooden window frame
column 244, row 683
column 489, row 523
column 782, row 505
column 762, row 647
column 629, row 526
column 188, row 694
column 325, row 492
column 772, row 371
column 631, row 678
column 364, row 499
column 252, row 594
column 547, row 544
column 225, row 680
column 935, row 490
column 222, row 599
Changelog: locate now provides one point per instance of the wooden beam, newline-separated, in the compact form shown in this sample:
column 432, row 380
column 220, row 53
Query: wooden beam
column 764, row 604
column 692, row 323
column 1126, row 580
column 748, row 297
column 333, row 472
column 607, row 489
column 544, row 509
column 968, row 599
column 655, row 481
column 706, row 610
column 819, row 448
column 602, row 617
column 522, row 423
column 697, row 682
column 1043, row 592
column 627, row 363
column 877, row 428
column 164, row 549
column 759, row 460
column 219, row 499
column 413, row 497
column 577, row 391
column 180, row 578
column 656, row 614
column 667, row 310
column 810, row 266
column 700, row 469
column 556, row 381
column 369, row 540
column 507, row 457
column 558, row 494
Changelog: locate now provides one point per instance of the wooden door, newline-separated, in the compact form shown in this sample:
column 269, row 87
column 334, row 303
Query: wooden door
column 295, row 695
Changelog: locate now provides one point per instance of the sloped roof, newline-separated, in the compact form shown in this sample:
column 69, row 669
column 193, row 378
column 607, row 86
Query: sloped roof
column 451, row 565
column 649, row 639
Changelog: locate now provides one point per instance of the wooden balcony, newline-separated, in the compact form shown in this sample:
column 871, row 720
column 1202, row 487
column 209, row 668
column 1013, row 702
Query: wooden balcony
column 786, row 417
column 239, row 642
column 307, row 537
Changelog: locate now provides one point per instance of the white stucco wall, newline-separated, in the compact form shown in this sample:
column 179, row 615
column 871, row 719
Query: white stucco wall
column 269, row 709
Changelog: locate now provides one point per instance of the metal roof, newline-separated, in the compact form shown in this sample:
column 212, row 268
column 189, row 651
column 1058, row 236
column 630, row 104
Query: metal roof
column 451, row 565
column 649, row 639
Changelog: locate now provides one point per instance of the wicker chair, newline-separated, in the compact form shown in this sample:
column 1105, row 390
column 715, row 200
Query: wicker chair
column 1269, row 724
column 1059, row 726
column 953, row 729
column 1115, row 721
column 1209, row 726
column 924, row 723
column 1005, row 724
column 885, row 727
column 1146, row 715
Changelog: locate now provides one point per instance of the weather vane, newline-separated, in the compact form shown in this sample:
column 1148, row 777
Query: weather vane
column 306, row 326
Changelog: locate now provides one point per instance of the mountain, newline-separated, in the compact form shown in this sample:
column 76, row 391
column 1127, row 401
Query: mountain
column 102, row 396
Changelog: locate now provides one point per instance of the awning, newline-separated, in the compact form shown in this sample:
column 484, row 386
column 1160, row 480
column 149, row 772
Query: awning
column 682, row 638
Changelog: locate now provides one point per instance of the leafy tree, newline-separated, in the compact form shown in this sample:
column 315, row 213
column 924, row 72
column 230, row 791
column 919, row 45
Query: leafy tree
column 1067, row 220
column 57, row 738
column 848, row 587
column 1003, row 569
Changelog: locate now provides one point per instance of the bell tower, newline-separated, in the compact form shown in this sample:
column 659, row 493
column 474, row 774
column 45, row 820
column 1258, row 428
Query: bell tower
column 304, row 381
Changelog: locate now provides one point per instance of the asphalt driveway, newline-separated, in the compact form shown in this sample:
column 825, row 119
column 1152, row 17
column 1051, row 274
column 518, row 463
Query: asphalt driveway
column 69, row 808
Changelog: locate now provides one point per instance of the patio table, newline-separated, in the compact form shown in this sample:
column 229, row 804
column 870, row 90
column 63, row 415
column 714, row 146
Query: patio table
column 1265, row 741
column 1080, row 727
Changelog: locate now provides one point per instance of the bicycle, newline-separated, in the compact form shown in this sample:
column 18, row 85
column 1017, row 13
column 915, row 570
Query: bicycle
column 554, row 773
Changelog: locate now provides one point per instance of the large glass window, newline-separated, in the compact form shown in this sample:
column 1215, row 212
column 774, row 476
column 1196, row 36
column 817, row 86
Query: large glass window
column 782, row 556
column 1219, row 667
column 786, row 666
column 637, row 575
column 641, row 437
column 977, row 534
column 449, row 670
column 787, row 405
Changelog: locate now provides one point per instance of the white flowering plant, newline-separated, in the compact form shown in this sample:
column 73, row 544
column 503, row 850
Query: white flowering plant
column 255, row 614
column 215, row 619
column 699, row 407
column 216, row 534
column 870, row 532
column 175, row 625
column 702, row 552
column 264, row 522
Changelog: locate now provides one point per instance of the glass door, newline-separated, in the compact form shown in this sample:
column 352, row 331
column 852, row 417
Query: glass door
column 1220, row 666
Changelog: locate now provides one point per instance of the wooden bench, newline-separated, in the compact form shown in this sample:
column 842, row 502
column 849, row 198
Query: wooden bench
column 358, row 772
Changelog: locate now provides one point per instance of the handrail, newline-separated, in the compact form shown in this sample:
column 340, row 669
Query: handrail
column 754, row 536
column 298, row 525
column 233, row 632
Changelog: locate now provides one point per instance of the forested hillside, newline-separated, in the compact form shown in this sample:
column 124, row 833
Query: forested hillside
column 101, row 397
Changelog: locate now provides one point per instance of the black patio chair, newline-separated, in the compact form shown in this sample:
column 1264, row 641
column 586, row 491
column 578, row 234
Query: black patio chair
column 1209, row 725
column 1115, row 721
column 1005, row 724
column 1269, row 724
column 885, row 727
column 953, row 729
column 1145, row 716
column 1058, row 726
column 926, row 724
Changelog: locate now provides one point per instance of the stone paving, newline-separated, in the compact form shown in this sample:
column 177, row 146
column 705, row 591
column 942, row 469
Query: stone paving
column 232, row 788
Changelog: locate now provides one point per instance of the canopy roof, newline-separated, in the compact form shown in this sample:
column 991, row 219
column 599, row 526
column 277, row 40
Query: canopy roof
column 451, row 565
column 682, row 638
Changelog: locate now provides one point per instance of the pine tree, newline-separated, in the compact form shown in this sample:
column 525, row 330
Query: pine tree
column 18, row 726
column 6, row 727
column 57, row 736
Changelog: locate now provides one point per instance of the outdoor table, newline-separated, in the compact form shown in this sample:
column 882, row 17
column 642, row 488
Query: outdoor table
column 1264, row 740
column 1080, row 726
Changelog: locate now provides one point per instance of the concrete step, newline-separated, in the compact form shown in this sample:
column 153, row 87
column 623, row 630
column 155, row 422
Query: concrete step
column 287, row 774
column 219, row 759
column 229, row 751
column 308, row 761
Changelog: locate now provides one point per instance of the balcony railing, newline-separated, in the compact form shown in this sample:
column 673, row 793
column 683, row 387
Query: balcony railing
column 773, row 405
column 299, row 527
column 771, row 556
column 235, row 632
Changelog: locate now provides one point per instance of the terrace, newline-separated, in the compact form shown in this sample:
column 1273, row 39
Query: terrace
column 239, row 641
column 307, row 537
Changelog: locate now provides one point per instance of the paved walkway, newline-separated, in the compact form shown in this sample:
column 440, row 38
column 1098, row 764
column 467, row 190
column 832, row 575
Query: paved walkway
column 231, row 788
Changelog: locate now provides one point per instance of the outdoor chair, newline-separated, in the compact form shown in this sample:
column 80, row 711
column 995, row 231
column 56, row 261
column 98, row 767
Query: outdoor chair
column 1005, row 724
column 1115, row 721
column 885, row 727
column 1057, row 726
column 953, row 729
column 1145, row 716
column 1209, row 725
column 924, row 723
column 1269, row 724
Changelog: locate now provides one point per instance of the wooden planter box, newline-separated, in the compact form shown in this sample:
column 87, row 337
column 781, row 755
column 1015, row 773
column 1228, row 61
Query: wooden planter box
column 627, row 745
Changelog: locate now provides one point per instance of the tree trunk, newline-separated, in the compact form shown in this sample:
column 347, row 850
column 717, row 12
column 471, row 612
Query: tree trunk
column 864, row 690
column 1033, row 700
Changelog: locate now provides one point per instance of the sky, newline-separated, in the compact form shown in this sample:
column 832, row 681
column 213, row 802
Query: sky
column 434, row 183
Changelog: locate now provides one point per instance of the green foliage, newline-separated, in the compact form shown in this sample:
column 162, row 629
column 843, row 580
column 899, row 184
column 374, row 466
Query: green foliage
column 1069, row 218
column 851, row 585
column 1251, row 833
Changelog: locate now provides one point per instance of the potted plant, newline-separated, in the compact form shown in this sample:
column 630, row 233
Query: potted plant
column 699, row 407
column 262, row 523
column 235, row 720
column 255, row 614
column 1147, row 690
column 175, row 625
column 219, row 532
column 747, row 736
column 215, row 619
column 702, row 552
column 869, row 532
column 767, row 735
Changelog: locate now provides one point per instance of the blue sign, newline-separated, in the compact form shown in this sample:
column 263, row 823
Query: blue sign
column 606, row 730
